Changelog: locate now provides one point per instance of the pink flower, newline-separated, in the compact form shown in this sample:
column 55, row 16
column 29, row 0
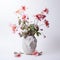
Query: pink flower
column 43, row 16
column 17, row 54
column 40, row 16
column 46, row 10
column 18, row 11
column 24, row 17
column 46, row 23
column 37, row 53
column 13, row 26
column 23, row 8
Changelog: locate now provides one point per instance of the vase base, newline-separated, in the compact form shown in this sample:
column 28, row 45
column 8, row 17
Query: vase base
column 34, row 53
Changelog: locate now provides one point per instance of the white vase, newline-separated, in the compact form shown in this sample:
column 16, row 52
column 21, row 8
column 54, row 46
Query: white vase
column 29, row 44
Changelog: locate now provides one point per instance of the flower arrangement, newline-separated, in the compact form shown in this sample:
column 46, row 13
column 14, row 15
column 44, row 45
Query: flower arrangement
column 26, row 27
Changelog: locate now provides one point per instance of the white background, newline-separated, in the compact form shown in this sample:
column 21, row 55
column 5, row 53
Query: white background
column 10, row 42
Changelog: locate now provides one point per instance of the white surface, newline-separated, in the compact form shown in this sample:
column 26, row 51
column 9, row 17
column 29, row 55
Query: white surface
column 10, row 42
column 5, row 55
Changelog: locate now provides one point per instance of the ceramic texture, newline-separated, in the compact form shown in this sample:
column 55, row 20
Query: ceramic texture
column 29, row 44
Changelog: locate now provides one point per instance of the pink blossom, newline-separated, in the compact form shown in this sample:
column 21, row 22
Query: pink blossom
column 17, row 54
column 23, row 8
column 46, row 23
column 40, row 16
column 36, row 53
column 24, row 17
column 18, row 11
column 46, row 10
column 13, row 26
column 43, row 16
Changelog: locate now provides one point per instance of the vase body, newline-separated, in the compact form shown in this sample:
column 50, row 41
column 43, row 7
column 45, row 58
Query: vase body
column 29, row 44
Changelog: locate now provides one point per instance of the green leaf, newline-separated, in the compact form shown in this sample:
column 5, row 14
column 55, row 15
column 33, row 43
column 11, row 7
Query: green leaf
column 38, row 33
column 19, row 21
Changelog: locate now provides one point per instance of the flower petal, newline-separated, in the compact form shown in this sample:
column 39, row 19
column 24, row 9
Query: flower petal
column 23, row 8
column 24, row 17
column 46, row 10
column 46, row 23
column 17, row 55
column 37, row 53
column 13, row 26
column 38, row 16
column 18, row 11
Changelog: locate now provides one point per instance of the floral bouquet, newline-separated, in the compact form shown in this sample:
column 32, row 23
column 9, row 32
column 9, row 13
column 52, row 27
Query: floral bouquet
column 25, row 26
column 28, row 28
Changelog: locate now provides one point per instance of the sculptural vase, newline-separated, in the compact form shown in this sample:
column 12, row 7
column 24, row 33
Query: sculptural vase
column 29, row 44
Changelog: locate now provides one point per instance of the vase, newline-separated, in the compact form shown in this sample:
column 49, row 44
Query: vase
column 29, row 44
